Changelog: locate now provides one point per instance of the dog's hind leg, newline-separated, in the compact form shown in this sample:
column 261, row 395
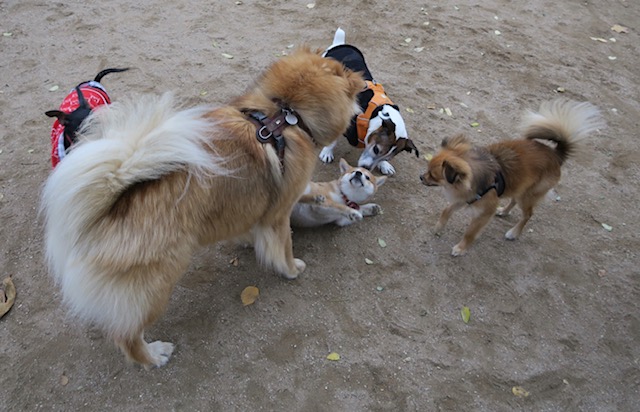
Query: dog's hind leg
column 147, row 354
column 274, row 248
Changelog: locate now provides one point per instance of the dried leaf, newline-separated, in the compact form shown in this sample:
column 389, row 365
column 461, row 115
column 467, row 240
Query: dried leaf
column 474, row 124
column 382, row 243
column 333, row 356
column 602, row 273
column 600, row 39
column 619, row 29
column 368, row 261
column 448, row 111
column 249, row 295
column 519, row 391
column 7, row 34
column 203, row 93
column 234, row 261
column 418, row 49
column 64, row 380
column 561, row 90
column 607, row 227
column 379, row 288
column 497, row 32
column 54, row 88
column 410, row 110
column 428, row 157
column 465, row 312
column 311, row 5
column 407, row 40
column 8, row 293
column 613, row 58
column 227, row 56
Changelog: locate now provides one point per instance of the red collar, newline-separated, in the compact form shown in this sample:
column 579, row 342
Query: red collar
column 350, row 203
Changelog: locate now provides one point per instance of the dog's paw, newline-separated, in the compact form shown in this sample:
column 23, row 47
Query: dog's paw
column 300, row 265
column 437, row 230
column 512, row 234
column 375, row 209
column 355, row 215
column 326, row 155
column 502, row 212
column 386, row 168
column 160, row 352
column 319, row 199
column 457, row 250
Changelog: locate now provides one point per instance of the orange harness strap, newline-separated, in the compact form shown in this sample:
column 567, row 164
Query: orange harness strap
column 362, row 121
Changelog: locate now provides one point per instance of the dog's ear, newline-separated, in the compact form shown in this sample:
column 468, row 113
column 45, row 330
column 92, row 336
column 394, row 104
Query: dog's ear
column 453, row 172
column 389, row 125
column 62, row 116
column 407, row 144
column 344, row 165
column 380, row 180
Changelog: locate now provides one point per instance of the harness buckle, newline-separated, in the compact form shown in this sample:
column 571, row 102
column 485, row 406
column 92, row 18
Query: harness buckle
column 264, row 134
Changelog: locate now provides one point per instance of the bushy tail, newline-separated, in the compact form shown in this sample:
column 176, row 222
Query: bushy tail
column 122, row 144
column 563, row 122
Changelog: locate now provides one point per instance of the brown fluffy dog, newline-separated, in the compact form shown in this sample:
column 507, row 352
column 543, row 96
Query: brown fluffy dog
column 148, row 184
column 523, row 170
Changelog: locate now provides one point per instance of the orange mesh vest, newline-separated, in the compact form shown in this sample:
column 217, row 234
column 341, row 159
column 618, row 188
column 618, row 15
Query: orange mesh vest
column 362, row 121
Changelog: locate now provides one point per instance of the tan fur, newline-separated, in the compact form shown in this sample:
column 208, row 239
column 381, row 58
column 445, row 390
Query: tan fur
column 140, row 245
column 530, row 167
column 324, row 202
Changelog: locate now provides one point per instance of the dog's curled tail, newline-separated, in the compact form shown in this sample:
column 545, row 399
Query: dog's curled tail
column 564, row 122
column 122, row 144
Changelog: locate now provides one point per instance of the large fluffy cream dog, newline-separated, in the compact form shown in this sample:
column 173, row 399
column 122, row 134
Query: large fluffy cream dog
column 148, row 184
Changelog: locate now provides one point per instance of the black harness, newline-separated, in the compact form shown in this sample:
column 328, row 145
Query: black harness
column 498, row 184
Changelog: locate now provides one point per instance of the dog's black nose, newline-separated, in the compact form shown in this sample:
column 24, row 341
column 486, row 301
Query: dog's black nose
column 358, row 173
column 422, row 178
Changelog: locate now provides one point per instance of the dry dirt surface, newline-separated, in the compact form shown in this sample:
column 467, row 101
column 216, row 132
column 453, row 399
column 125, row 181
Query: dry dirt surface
column 555, row 313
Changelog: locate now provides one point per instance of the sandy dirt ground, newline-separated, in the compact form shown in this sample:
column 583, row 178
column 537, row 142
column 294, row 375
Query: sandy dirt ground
column 556, row 313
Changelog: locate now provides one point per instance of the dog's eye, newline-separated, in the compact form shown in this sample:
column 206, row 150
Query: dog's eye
column 368, row 178
column 376, row 150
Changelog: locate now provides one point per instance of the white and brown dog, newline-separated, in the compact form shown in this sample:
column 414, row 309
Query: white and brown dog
column 338, row 201
column 380, row 128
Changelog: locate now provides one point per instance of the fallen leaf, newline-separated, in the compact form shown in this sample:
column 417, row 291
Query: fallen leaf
column 30, row 150
column 227, row 56
column 600, row 39
column 465, row 312
column 368, row 261
column 519, row 391
column 474, row 124
column 54, row 88
column 619, row 29
column 333, row 356
column 249, row 295
column 497, row 32
column 560, row 89
column 613, row 58
column 607, row 227
column 407, row 40
column 428, row 157
column 448, row 111
column 203, row 93
column 379, row 288
column 311, row 5
column 234, row 261
column 410, row 110
column 382, row 243
column 602, row 273
column 418, row 49
column 8, row 294
column 64, row 380
column 7, row 34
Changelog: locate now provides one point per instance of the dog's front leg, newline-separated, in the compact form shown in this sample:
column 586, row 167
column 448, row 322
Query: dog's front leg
column 445, row 215
column 370, row 209
column 274, row 248
column 326, row 155
column 386, row 168
column 475, row 227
